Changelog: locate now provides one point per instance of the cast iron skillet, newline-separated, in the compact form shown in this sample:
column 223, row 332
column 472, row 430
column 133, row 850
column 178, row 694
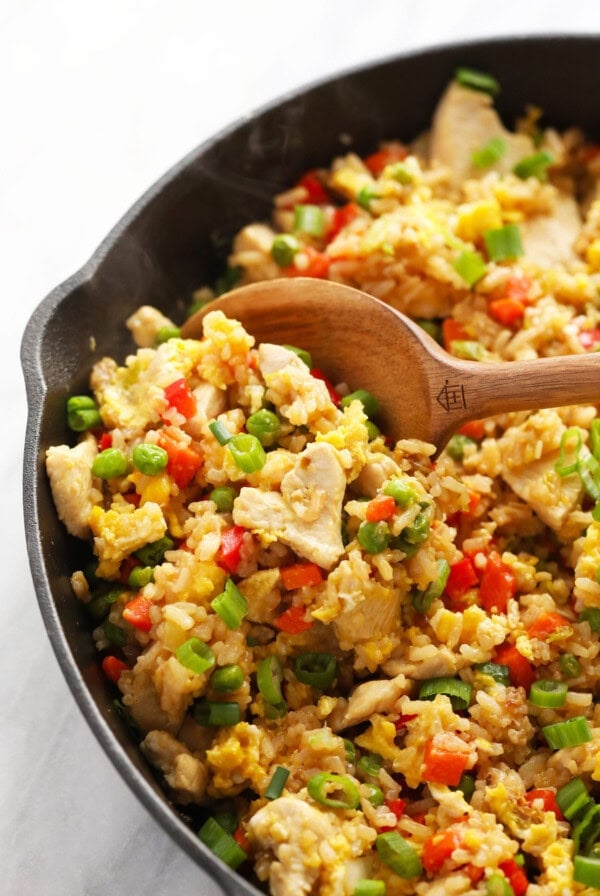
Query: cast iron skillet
column 174, row 239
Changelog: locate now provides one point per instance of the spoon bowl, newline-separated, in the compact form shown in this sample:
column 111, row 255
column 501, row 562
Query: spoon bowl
column 424, row 392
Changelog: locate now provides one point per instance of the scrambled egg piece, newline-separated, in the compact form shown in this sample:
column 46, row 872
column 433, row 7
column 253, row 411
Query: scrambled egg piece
column 350, row 438
column 234, row 761
column 222, row 354
column 291, row 387
column 587, row 588
column 124, row 529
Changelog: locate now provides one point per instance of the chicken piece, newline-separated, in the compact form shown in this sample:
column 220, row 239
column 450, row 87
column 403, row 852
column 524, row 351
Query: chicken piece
column 309, row 846
column 298, row 395
column 145, row 323
column 185, row 773
column 548, row 240
column 372, row 697
column 122, row 530
column 210, row 402
column 307, row 514
column 464, row 121
column 252, row 252
column 443, row 663
column 528, row 453
column 72, row 484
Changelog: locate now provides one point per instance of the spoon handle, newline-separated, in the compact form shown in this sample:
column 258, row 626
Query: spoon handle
column 524, row 385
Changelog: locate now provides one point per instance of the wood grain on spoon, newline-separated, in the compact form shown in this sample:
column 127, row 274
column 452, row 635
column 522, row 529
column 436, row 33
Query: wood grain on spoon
column 424, row 392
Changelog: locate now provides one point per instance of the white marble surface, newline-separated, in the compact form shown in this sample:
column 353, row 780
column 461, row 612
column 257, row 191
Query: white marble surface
column 96, row 101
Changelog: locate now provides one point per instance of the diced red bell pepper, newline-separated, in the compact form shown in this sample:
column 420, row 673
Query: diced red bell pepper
column 498, row 585
column 230, row 551
column 105, row 441
column 507, row 311
column 241, row 839
column 137, row 613
column 317, row 264
column 547, row 798
column 437, row 849
column 515, row 876
column 180, row 396
column 293, row 621
column 133, row 498
column 520, row 670
column 342, row 217
column 547, row 624
column 396, row 806
column 452, row 331
column 443, row 766
column 300, row 575
column 183, row 463
column 474, row 873
column 381, row 507
column 333, row 393
column 379, row 160
column 462, row 577
column 316, row 193
column 590, row 339
column 402, row 721
column 112, row 668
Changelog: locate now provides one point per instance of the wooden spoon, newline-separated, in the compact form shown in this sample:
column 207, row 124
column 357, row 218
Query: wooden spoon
column 424, row 392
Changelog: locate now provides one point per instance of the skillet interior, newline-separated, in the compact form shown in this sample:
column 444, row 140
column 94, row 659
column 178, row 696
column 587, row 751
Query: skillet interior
column 175, row 239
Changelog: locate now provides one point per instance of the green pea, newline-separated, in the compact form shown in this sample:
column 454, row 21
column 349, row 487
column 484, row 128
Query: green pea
column 284, row 248
column 82, row 413
column 265, row 426
column 372, row 430
column 163, row 334
column 402, row 493
column 368, row 401
column 153, row 553
column 114, row 633
column 373, row 537
column 223, row 496
column 418, row 531
column 110, row 463
column 140, row 576
column 569, row 665
column 150, row 459
column 457, row 445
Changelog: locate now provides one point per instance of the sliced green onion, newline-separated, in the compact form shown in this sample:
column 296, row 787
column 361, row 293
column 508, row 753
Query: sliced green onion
column 149, row 459
column 596, row 512
column 247, row 452
column 373, row 537
column 457, row 690
column 163, row 334
column 535, row 165
column 586, row 870
column 569, row 665
column 333, row 791
column 571, row 733
column 284, row 248
column 563, row 466
column 370, row 764
column 432, row 327
column 309, row 219
column 275, row 710
column 265, row 425
column 457, row 444
column 372, row 430
column 82, row 413
column 216, row 715
column 490, row 153
column 572, row 798
column 422, row 600
column 497, row 885
column 476, row 80
column 110, row 464
column 153, row 553
column 365, row 195
column 114, row 633
column 315, row 669
column 220, row 432
column 99, row 606
column 503, row 243
column 223, row 496
column 228, row 678
column 591, row 615
column 368, row 401
column 350, row 750
column 588, row 469
column 269, row 673
column 469, row 349
column 228, row 820
column 277, row 783
column 195, row 655
column 470, row 266
column 398, row 172
column 548, row 693
column 230, row 605
column 587, row 831
column 595, row 437
column 140, row 576
column 228, row 279
column 402, row 493
column 397, row 853
column 302, row 354
column 467, row 786
column 374, row 794
column 368, row 887
column 222, row 844
column 497, row 671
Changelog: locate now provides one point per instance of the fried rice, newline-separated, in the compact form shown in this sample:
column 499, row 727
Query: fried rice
column 363, row 671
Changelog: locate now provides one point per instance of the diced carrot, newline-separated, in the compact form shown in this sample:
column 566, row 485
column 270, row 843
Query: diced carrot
column 183, row 463
column 474, row 429
column 498, row 585
column 437, row 849
column 379, row 160
column 547, row 798
column 443, row 766
column 452, row 331
column 515, row 876
column 474, row 873
column 462, row 577
column 381, row 507
column 316, row 264
column 507, row 311
column 293, row 621
column 520, row 670
column 137, row 613
column 112, row 668
column 547, row 624
column 300, row 575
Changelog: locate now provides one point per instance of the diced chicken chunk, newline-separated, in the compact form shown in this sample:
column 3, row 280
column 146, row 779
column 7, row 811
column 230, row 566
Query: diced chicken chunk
column 300, row 397
column 373, row 697
column 210, row 402
column 72, row 484
column 145, row 323
column 464, row 121
column 307, row 514
column 252, row 251
column 548, row 240
column 185, row 773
